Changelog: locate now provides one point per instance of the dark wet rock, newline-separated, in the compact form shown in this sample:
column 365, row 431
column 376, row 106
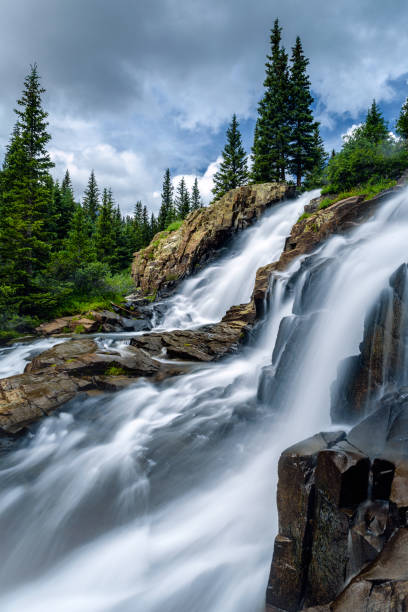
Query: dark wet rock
column 382, row 362
column 276, row 380
column 383, row 586
column 355, row 490
column 95, row 321
column 296, row 498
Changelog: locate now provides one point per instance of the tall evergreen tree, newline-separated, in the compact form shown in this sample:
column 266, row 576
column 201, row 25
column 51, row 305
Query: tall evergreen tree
column 375, row 128
column 182, row 201
column 66, row 208
column 105, row 229
column 91, row 199
column 302, row 157
column 196, row 201
column 402, row 123
column 314, row 177
column 272, row 131
column 166, row 213
column 233, row 171
column 79, row 247
column 25, row 241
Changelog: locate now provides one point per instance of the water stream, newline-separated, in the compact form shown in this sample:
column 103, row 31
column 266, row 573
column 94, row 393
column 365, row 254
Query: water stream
column 162, row 497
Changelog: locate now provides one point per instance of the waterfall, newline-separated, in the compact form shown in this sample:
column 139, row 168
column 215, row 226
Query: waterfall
column 162, row 497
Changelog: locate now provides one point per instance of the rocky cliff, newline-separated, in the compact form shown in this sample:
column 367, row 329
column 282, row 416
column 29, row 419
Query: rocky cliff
column 343, row 499
column 172, row 256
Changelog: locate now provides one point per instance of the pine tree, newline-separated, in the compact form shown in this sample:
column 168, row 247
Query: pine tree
column 233, row 171
column 145, row 227
column 91, row 199
column 27, row 196
column 375, row 128
column 153, row 226
column 105, row 229
column 182, row 201
column 314, row 177
column 166, row 213
column 302, row 139
column 196, row 201
column 402, row 123
column 272, row 131
column 79, row 247
column 66, row 208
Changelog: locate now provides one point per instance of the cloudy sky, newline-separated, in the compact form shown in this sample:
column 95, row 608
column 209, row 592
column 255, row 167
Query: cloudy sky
column 135, row 86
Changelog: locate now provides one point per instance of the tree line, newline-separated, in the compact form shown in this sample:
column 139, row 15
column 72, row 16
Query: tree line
column 52, row 247
column 286, row 137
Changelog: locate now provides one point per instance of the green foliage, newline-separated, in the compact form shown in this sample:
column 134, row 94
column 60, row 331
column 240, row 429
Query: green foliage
column 304, row 141
column 174, row 226
column 167, row 212
column 182, row 200
column 233, row 171
column 369, row 190
column 402, row 123
column 361, row 160
column 115, row 371
column 272, row 131
column 91, row 202
column 196, row 201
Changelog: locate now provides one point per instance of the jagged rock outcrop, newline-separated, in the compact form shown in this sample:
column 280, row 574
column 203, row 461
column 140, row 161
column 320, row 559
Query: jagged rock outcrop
column 307, row 234
column 57, row 375
column 382, row 362
column 102, row 321
column 343, row 503
column 172, row 256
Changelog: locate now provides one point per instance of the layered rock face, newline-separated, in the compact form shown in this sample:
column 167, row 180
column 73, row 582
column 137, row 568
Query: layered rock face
column 382, row 361
column 173, row 256
column 343, row 502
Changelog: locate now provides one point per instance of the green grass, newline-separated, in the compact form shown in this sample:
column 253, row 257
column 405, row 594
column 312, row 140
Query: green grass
column 174, row 226
column 116, row 286
column 304, row 216
column 369, row 190
column 115, row 371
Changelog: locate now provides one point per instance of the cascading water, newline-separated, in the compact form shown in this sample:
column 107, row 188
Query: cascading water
column 207, row 296
column 162, row 497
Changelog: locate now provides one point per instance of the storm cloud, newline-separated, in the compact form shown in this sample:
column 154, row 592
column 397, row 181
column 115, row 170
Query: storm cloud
column 136, row 86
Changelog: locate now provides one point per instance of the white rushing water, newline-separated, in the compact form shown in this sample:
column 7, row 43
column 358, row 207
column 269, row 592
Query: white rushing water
column 206, row 297
column 162, row 497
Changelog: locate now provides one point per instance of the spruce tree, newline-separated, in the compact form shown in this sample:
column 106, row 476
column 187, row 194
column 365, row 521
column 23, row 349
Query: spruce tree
column 302, row 156
column 233, row 171
column 91, row 199
column 272, row 131
column 182, row 201
column 105, row 229
column 314, row 177
column 145, row 227
column 196, row 201
column 374, row 128
column 66, row 208
column 166, row 213
column 402, row 123
column 79, row 247
column 25, row 236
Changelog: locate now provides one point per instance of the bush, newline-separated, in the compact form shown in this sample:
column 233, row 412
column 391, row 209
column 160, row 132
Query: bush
column 362, row 161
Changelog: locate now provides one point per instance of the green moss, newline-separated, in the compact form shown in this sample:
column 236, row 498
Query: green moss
column 151, row 297
column 174, row 226
column 304, row 216
column 79, row 329
column 171, row 277
column 115, row 371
